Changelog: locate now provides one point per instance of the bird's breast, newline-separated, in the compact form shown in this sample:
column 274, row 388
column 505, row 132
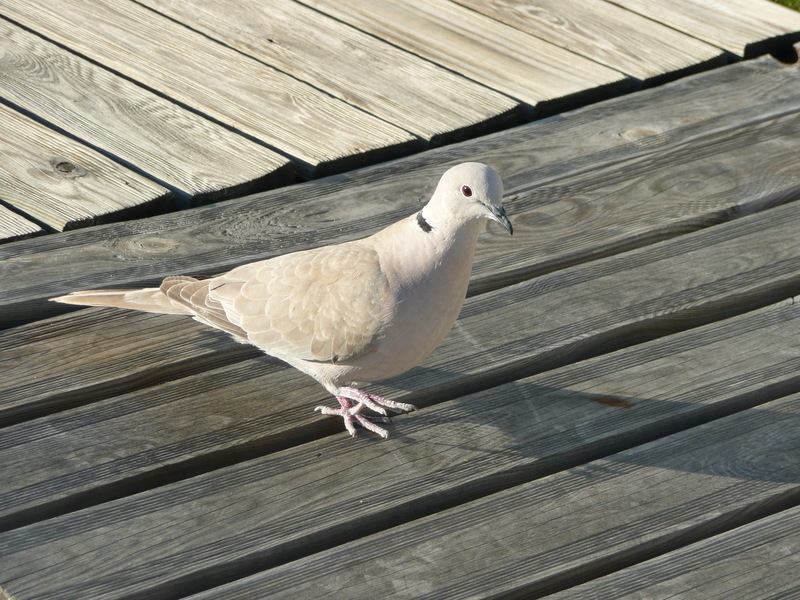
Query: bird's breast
column 425, row 295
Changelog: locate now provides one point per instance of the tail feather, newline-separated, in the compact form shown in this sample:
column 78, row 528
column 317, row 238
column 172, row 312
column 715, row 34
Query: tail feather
column 146, row 300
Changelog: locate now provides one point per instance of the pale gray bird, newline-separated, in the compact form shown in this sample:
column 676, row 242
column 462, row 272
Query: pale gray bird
column 359, row 311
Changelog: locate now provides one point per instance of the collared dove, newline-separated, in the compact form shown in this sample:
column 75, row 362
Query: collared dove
column 360, row 311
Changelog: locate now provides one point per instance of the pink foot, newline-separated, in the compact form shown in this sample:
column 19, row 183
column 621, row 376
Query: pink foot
column 350, row 411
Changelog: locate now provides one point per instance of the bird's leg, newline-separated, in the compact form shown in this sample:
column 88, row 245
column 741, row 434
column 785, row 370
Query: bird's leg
column 353, row 401
column 349, row 412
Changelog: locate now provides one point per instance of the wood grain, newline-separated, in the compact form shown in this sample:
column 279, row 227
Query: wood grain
column 15, row 227
column 320, row 133
column 191, row 155
column 539, row 155
column 305, row 498
column 623, row 384
column 603, row 32
column 688, row 185
column 745, row 28
column 548, row 534
column 433, row 103
column 136, row 353
column 64, row 184
column 752, row 562
column 561, row 318
column 515, row 63
column 694, row 180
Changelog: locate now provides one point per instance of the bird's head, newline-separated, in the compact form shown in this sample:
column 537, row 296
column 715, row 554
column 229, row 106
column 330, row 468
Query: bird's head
column 471, row 191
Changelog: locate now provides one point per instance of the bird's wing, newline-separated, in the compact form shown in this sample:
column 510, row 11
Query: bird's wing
column 193, row 294
column 325, row 304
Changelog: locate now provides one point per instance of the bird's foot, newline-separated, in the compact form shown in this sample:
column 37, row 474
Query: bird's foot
column 353, row 401
column 351, row 413
column 373, row 402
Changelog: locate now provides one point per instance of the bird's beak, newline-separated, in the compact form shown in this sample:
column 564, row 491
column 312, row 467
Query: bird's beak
column 499, row 215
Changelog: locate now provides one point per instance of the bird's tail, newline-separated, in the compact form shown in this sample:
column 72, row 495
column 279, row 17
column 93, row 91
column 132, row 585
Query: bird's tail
column 147, row 300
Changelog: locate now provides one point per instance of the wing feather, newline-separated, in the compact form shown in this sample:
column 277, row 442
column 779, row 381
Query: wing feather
column 326, row 304
column 194, row 295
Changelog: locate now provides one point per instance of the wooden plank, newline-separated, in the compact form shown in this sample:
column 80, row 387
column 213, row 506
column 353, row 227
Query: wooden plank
column 191, row 155
column 253, row 515
column 15, row 227
column 355, row 67
column 4, row 595
column 538, row 159
column 63, row 460
column 607, row 34
column 320, row 133
column 757, row 561
column 64, row 184
column 550, row 533
column 137, row 353
column 498, row 56
column 617, row 201
column 735, row 175
column 745, row 28
column 466, row 360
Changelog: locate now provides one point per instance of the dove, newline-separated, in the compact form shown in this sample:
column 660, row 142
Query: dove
column 349, row 313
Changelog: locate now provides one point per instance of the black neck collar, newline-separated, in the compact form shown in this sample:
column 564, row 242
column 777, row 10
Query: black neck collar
column 423, row 224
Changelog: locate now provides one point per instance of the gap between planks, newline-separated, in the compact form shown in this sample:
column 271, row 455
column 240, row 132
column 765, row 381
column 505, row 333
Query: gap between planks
column 654, row 279
column 63, row 184
column 298, row 217
column 197, row 159
column 447, row 457
column 751, row 562
column 319, row 132
column 732, row 187
column 56, row 396
column 568, row 527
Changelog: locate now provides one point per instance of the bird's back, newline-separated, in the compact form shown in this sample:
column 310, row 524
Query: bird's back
column 324, row 304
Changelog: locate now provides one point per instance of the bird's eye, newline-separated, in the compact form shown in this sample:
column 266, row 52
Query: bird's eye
column 466, row 191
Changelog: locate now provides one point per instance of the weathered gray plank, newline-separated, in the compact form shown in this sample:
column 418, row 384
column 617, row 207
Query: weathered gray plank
column 745, row 28
column 4, row 595
column 14, row 227
column 431, row 102
column 699, row 183
column 594, row 29
column 320, row 133
column 542, row 155
column 454, row 362
column 64, row 184
column 689, row 183
column 252, row 515
column 72, row 369
column 501, row 57
column 537, row 537
column 757, row 561
column 63, row 460
column 191, row 155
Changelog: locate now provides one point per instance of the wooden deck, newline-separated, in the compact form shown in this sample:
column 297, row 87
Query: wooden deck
column 615, row 415
column 115, row 109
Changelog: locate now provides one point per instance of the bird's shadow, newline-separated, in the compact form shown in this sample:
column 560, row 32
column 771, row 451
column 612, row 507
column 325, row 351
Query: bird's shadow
column 531, row 424
column 525, row 421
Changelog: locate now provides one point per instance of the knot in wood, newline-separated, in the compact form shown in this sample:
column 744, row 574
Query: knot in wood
column 67, row 168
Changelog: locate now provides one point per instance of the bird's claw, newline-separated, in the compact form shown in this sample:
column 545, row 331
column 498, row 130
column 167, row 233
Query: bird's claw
column 354, row 401
column 373, row 402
